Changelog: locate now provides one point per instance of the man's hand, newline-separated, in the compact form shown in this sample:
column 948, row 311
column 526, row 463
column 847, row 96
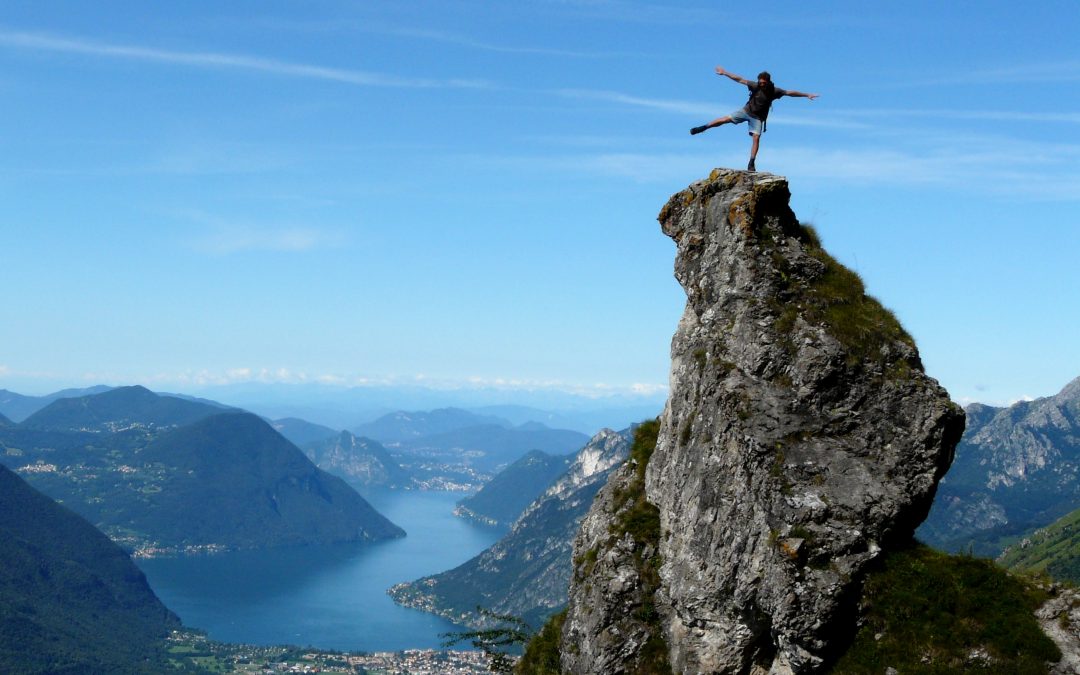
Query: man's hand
column 720, row 71
column 812, row 96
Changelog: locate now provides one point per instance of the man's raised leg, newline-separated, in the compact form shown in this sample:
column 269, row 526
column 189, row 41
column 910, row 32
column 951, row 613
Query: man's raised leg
column 715, row 123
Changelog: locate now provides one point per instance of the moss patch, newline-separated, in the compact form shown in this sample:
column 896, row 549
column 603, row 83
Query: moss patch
column 641, row 520
column 836, row 299
column 541, row 655
column 927, row 612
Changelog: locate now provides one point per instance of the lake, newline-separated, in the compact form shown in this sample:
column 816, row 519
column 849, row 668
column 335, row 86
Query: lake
column 333, row 597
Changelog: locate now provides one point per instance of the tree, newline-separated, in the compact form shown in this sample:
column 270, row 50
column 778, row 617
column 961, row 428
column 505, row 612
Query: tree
column 508, row 631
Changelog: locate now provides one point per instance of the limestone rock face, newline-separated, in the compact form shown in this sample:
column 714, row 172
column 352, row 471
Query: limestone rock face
column 800, row 439
column 1059, row 617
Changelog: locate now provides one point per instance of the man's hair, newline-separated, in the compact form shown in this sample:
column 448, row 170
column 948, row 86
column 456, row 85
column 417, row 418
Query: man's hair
column 769, row 88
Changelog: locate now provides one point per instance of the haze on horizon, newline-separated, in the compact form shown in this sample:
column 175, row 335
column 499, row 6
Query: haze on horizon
column 463, row 195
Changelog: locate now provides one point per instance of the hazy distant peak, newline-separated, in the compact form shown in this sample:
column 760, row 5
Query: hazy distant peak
column 532, row 426
column 301, row 432
column 118, row 408
column 406, row 425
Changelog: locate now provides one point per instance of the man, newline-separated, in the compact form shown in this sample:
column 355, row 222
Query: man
column 756, row 110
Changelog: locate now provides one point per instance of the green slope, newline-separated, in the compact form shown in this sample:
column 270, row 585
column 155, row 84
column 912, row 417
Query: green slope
column 928, row 612
column 232, row 479
column 70, row 600
column 1054, row 550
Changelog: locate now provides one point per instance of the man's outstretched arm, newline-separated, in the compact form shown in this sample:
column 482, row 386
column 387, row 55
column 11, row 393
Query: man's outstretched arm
column 740, row 80
column 797, row 94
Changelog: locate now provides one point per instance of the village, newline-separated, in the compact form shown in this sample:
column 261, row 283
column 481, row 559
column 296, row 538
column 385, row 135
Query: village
column 191, row 649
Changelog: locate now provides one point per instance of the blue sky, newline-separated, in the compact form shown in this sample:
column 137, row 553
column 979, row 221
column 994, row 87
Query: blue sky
column 464, row 193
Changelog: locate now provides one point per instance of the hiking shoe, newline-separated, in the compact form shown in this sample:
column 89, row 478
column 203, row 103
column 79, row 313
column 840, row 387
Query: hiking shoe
column 698, row 130
column 750, row 166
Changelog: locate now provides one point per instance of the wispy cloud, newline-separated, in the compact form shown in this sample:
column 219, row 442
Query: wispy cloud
column 206, row 157
column 679, row 14
column 850, row 119
column 282, row 375
column 701, row 110
column 1045, row 172
column 213, row 60
column 987, row 115
column 666, row 105
column 1058, row 71
column 228, row 239
column 643, row 167
column 1032, row 173
column 466, row 41
column 589, row 390
column 218, row 235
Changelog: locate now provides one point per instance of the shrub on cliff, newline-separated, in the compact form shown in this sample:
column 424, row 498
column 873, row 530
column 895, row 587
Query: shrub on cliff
column 928, row 612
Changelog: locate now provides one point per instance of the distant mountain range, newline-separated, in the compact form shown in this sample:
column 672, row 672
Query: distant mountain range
column 587, row 420
column 492, row 447
column 1016, row 469
column 408, row 426
column 501, row 501
column 342, row 407
column 118, row 409
column 527, row 572
column 161, row 474
column 70, row 600
column 18, row 407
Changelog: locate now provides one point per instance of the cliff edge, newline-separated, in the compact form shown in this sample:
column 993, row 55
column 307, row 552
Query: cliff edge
column 800, row 440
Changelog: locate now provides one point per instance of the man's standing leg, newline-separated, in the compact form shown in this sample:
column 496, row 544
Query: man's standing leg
column 753, row 151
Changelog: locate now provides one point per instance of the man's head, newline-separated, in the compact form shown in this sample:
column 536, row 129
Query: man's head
column 764, row 78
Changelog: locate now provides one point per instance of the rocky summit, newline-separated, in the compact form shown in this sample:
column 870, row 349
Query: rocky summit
column 801, row 439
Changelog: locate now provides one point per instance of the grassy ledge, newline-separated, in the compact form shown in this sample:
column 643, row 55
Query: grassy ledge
column 836, row 299
column 926, row 612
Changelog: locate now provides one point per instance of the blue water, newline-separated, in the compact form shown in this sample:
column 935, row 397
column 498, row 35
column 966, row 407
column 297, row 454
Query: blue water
column 332, row 597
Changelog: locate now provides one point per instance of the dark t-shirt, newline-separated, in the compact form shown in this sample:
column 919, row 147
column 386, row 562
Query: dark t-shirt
column 759, row 103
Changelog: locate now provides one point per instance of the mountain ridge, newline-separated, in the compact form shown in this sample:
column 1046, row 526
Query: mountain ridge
column 526, row 572
column 502, row 499
column 1016, row 469
column 18, row 407
column 118, row 408
column 358, row 460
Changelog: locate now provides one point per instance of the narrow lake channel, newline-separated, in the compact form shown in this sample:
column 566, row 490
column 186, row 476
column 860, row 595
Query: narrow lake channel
column 333, row 597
